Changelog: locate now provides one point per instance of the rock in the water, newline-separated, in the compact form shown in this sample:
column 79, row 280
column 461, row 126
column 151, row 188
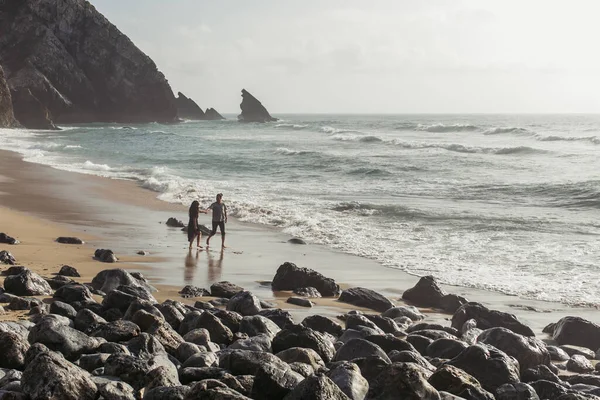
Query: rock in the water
column 367, row 298
column 426, row 293
column 301, row 336
column 244, row 303
column 307, row 292
column 456, row 381
column 212, row 115
column 290, row 277
column 402, row 381
column 4, row 238
column 7, row 258
column 299, row 301
column 487, row 319
column 49, row 376
column 490, row 366
column 516, row 391
column 224, row 289
column 69, row 240
column 253, row 110
column 529, row 351
column 105, row 255
column 27, row 283
column 187, row 108
column 67, row 270
column 7, row 116
column 577, row 331
column 190, row 291
column 79, row 66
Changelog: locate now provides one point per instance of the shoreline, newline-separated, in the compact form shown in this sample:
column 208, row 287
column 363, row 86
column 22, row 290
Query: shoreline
column 125, row 217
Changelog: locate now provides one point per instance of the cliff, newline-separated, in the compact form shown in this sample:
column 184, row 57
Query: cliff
column 253, row 110
column 187, row 108
column 78, row 65
column 7, row 118
column 212, row 114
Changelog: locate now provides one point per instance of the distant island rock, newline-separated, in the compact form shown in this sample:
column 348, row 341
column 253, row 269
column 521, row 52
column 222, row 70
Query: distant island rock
column 188, row 109
column 253, row 110
column 78, row 66
column 7, row 117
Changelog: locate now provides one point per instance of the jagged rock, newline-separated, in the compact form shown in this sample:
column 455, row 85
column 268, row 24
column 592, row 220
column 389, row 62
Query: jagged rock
column 301, row 336
column 256, row 325
column 316, row 387
column 244, row 303
column 426, row 293
column 213, row 389
column 357, row 348
column 290, row 277
column 224, row 289
column 172, row 314
column 7, row 258
column 113, row 389
column 30, row 111
column 167, row 336
column 90, row 362
column 452, row 302
column 260, row 342
column 253, row 110
column 117, row 331
column 14, row 327
column 190, row 291
column 67, row 270
column 130, row 369
column 59, row 337
column 219, row 333
column 490, row 366
column 323, row 325
column 162, row 376
column 529, row 351
column 69, row 240
column 487, row 319
column 579, row 364
column 87, row 320
column 144, row 346
column 404, row 311
column 7, row 117
column 187, row 108
column 347, row 377
column 167, row 393
column 445, row 348
column 111, row 279
column 577, row 331
column 4, row 238
column 12, row 348
column 49, row 376
column 74, row 293
column 516, row 391
column 274, row 383
column 402, row 381
column 456, row 381
column 367, row 298
column 27, row 283
column 59, row 281
column 307, row 292
column 80, row 66
column 212, row 115
column 230, row 319
column 247, row 362
column 105, row 255
column 280, row 317
column 299, row 301
column 64, row 309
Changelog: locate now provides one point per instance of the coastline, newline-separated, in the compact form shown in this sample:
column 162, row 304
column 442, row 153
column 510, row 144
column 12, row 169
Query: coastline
column 39, row 203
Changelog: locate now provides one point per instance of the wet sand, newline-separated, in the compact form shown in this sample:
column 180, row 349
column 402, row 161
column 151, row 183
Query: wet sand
column 39, row 203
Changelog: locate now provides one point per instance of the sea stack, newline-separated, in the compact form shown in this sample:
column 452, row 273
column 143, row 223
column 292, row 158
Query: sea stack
column 212, row 114
column 78, row 65
column 7, row 117
column 253, row 110
column 187, row 108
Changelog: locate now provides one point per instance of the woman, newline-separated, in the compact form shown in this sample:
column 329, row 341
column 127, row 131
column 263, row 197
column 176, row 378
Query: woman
column 193, row 227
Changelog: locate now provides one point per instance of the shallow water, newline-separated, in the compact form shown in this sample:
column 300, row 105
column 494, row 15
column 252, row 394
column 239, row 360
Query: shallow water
column 504, row 203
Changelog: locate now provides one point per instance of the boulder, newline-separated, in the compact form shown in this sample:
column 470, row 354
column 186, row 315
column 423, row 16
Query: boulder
column 105, row 255
column 387, row 325
column 59, row 281
column 539, row 372
column 316, row 387
column 426, row 327
column 357, row 348
column 30, row 111
column 260, row 342
column 167, row 336
column 402, row 381
column 272, row 382
column 74, row 293
column 445, row 348
column 67, row 270
column 281, row 317
column 516, row 391
column 404, row 311
column 224, row 289
column 190, row 291
column 213, row 389
column 230, row 319
column 49, row 376
column 487, row 319
column 572, row 350
column 64, row 309
column 426, row 293
column 307, row 292
column 579, row 364
column 247, row 362
column 27, row 283
column 86, row 320
column 256, row 325
column 69, row 240
column 130, row 369
column 244, row 303
column 162, row 376
column 323, row 324
column 171, row 314
column 299, row 301
column 212, row 115
column 253, row 110
column 7, row 117
column 390, row 342
column 114, row 389
column 456, row 381
column 219, row 333
column 290, row 277
column 111, row 279
column 167, row 393
column 490, row 366
column 4, row 238
column 348, row 378
column 187, row 108
column 367, row 298
column 144, row 346
column 7, row 258
column 13, row 348
column 301, row 336
column 25, row 303
column 90, row 362
column 577, row 331
column 414, row 357
column 529, row 351
column 545, row 389
column 557, row 354
column 302, row 355
column 452, row 302
column 117, row 331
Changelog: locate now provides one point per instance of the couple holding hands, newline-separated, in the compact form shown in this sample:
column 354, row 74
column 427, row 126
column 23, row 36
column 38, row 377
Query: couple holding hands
column 219, row 218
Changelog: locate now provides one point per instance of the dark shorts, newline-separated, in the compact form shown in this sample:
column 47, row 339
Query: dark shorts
column 220, row 224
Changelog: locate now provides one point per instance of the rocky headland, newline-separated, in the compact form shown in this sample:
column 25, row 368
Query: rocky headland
column 111, row 338
column 65, row 62
column 253, row 110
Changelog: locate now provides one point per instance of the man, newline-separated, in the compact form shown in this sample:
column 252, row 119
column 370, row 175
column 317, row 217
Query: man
column 219, row 218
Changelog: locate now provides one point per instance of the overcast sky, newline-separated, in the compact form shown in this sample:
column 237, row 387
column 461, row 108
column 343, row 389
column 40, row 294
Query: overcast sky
column 453, row 56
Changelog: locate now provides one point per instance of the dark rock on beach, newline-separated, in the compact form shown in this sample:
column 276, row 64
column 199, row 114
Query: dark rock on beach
column 301, row 336
column 577, row 331
column 367, row 298
column 67, row 270
column 307, row 292
column 174, row 223
column 27, row 283
column 111, row 279
column 244, row 303
column 7, row 117
column 253, row 110
column 4, row 238
column 290, row 277
column 69, row 240
column 529, row 351
column 402, row 381
column 105, row 255
column 190, row 291
column 426, row 293
column 7, row 258
column 78, row 65
column 458, row 382
column 224, row 289
column 299, row 301
column 487, row 318
column 316, row 387
column 323, row 324
column 296, row 241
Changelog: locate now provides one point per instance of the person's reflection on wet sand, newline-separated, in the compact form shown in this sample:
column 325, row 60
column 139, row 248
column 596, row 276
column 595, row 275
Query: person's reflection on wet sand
column 214, row 267
column 191, row 263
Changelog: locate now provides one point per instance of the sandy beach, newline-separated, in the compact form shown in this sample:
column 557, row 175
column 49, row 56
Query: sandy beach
column 39, row 204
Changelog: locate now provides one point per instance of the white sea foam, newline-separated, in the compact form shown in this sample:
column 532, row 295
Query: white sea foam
column 439, row 128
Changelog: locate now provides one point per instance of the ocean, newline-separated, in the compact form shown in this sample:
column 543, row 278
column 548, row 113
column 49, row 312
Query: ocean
column 508, row 203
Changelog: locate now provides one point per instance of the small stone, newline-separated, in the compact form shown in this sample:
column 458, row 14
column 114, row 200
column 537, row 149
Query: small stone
column 299, row 301
column 69, row 240
column 67, row 270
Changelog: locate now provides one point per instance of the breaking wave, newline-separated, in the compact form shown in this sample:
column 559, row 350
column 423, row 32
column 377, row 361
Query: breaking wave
column 440, row 128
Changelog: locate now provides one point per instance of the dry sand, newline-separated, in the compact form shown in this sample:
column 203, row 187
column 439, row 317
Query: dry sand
column 38, row 204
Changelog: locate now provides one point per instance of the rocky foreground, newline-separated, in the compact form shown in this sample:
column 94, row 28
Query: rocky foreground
column 127, row 345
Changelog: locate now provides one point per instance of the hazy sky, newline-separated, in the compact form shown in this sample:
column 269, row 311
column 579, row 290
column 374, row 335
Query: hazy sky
column 453, row 56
